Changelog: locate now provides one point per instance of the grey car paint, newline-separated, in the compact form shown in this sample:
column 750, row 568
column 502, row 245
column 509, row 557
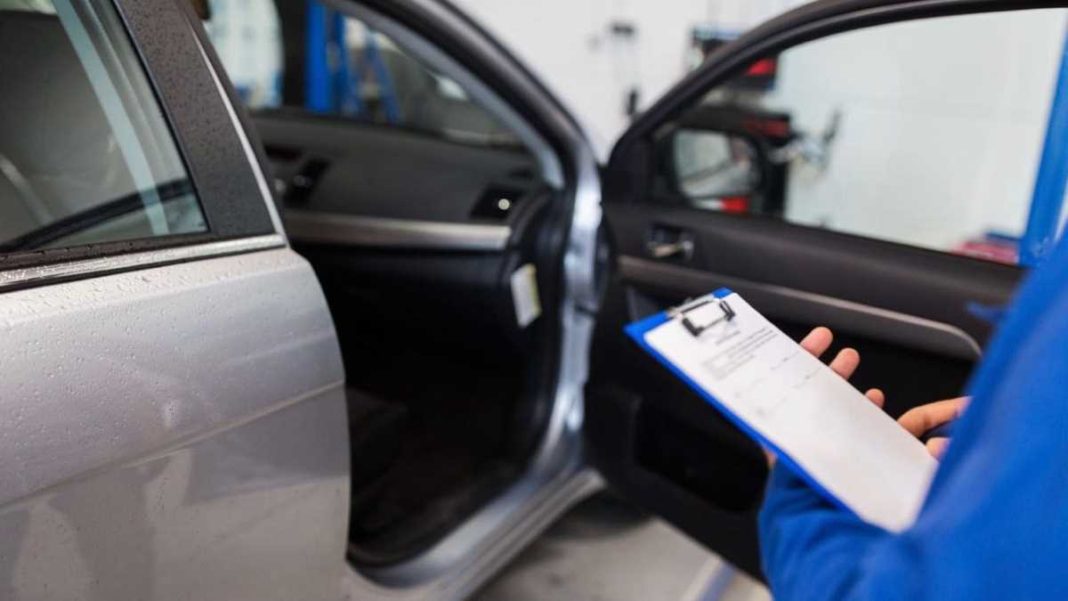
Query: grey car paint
column 173, row 433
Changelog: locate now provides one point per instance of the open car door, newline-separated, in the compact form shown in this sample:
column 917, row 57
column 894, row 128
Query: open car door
column 842, row 166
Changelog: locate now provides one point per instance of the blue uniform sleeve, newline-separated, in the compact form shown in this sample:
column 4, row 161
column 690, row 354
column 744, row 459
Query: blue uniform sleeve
column 811, row 549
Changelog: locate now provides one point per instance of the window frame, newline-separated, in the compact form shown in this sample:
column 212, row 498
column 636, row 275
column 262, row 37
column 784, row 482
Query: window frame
column 206, row 124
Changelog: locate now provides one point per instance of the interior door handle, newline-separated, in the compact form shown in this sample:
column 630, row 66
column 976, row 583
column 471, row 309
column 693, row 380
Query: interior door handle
column 682, row 248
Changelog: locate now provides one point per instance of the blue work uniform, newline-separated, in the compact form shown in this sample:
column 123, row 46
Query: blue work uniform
column 995, row 522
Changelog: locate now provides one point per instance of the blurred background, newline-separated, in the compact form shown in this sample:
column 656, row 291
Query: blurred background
column 867, row 116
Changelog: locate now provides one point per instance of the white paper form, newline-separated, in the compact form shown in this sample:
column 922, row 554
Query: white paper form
column 843, row 442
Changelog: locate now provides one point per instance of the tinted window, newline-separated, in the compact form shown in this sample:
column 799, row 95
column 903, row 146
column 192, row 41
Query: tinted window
column 85, row 154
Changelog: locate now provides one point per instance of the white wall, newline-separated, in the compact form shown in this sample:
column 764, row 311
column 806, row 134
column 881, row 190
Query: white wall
column 247, row 36
column 567, row 43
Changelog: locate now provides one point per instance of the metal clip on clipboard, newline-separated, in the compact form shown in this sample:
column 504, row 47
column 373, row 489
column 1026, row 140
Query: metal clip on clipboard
column 695, row 329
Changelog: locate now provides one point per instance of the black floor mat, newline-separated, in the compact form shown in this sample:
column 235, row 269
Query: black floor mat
column 446, row 414
column 418, row 477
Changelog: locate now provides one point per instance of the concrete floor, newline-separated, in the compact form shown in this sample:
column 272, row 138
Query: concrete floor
column 604, row 550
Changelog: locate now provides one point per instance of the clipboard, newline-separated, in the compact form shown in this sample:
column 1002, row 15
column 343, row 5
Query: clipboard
column 708, row 321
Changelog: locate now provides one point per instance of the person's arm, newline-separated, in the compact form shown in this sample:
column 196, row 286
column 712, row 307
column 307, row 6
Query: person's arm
column 810, row 548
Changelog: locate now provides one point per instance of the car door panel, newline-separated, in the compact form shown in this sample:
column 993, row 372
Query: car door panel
column 435, row 179
column 173, row 385
column 904, row 314
column 788, row 305
column 917, row 317
column 869, row 272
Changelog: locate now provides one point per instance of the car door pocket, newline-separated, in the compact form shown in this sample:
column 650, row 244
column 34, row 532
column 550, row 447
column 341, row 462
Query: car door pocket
column 698, row 460
column 669, row 243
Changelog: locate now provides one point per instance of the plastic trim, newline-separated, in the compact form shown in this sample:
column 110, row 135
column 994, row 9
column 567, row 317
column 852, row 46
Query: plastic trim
column 47, row 274
column 381, row 232
column 783, row 302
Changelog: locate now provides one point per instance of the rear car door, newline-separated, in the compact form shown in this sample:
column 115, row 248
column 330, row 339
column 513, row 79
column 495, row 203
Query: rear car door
column 842, row 165
column 173, row 394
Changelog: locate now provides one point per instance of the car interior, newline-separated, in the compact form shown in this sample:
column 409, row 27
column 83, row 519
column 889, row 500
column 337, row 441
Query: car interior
column 416, row 207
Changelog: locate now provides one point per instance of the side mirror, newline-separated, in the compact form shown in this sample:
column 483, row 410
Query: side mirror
column 714, row 167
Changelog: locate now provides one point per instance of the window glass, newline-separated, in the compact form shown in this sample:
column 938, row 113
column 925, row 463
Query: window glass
column 328, row 63
column 928, row 133
column 85, row 154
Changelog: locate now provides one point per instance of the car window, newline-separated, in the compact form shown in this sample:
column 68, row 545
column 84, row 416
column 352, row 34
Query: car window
column 333, row 64
column 887, row 132
column 85, row 154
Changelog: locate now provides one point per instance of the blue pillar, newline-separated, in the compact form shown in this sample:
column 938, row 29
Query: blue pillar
column 1052, row 177
column 318, row 96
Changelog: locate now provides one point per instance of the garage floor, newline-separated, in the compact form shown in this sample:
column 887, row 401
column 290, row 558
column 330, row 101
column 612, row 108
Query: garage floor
column 604, row 550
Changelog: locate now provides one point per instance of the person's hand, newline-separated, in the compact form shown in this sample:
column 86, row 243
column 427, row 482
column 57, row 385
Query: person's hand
column 924, row 418
column 845, row 362
column 917, row 420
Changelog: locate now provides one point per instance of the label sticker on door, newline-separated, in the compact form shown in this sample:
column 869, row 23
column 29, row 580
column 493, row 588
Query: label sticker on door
column 525, row 295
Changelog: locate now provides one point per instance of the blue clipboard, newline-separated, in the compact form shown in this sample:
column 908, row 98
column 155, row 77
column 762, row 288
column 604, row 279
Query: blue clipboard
column 637, row 332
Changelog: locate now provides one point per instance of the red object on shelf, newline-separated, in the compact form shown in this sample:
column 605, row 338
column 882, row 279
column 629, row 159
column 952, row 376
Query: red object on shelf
column 735, row 204
column 764, row 66
column 989, row 250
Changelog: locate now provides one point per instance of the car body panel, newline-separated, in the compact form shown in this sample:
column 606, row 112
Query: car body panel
column 174, row 430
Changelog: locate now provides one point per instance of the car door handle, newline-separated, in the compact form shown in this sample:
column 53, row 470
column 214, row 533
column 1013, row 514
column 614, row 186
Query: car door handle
column 682, row 248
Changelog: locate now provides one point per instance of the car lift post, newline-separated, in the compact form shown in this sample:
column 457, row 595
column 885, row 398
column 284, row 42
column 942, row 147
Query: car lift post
column 318, row 95
column 331, row 81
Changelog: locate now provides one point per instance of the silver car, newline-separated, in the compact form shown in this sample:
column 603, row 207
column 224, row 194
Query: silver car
column 363, row 337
